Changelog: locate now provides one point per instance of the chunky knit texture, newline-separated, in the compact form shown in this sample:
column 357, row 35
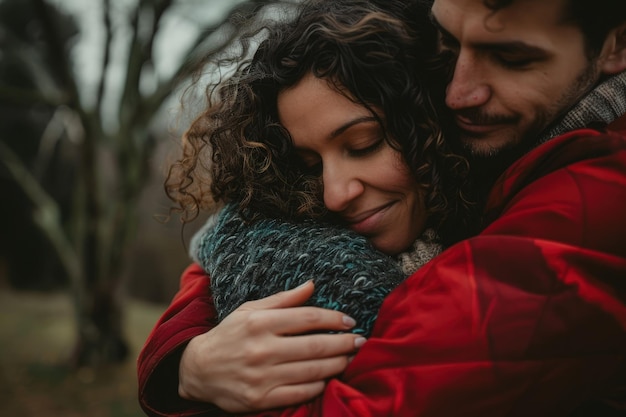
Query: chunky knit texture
column 421, row 252
column 251, row 261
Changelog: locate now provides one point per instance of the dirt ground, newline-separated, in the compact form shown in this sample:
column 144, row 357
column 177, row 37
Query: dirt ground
column 36, row 337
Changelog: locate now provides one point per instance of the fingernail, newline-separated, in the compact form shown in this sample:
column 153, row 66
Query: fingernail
column 359, row 341
column 303, row 284
column 349, row 321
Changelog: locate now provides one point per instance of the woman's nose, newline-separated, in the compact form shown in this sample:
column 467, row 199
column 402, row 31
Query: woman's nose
column 341, row 186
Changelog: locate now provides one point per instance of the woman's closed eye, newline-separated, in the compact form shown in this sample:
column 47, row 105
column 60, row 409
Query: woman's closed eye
column 367, row 149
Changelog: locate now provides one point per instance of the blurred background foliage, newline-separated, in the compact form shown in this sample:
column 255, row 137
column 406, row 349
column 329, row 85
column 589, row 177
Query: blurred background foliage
column 90, row 94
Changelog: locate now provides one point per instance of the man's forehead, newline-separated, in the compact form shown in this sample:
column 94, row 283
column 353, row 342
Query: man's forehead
column 520, row 8
column 522, row 19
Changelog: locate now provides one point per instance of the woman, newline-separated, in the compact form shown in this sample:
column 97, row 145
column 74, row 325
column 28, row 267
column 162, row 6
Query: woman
column 301, row 132
column 315, row 98
column 311, row 108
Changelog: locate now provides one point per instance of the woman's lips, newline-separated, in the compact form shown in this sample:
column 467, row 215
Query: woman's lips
column 367, row 222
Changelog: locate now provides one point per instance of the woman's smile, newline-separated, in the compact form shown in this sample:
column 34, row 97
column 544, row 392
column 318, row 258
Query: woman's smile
column 369, row 221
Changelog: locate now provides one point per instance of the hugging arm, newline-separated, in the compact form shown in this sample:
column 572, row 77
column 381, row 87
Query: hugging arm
column 263, row 355
column 191, row 313
column 238, row 365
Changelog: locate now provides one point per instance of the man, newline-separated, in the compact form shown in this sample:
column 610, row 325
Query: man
column 520, row 67
column 528, row 317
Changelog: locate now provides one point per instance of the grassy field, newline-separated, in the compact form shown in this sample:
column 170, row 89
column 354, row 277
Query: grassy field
column 36, row 338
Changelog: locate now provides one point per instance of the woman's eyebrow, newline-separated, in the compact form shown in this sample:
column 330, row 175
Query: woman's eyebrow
column 348, row 125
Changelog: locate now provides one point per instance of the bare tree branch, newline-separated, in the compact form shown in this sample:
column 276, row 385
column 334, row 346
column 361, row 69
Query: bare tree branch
column 106, row 17
column 95, row 257
column 134, row 63
column 21, row 96
column 159, row 11
column 140, row 54
column 30, row 60
column 56, row 46
column 197, row 50
column 66, row 75
column 46, row 213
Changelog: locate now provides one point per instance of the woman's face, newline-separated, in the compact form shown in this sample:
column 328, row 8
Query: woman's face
column 365, row 181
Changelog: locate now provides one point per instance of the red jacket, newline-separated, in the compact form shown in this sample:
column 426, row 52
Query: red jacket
column 526, row 319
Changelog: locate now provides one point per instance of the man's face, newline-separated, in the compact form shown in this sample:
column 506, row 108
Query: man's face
column 516, row 69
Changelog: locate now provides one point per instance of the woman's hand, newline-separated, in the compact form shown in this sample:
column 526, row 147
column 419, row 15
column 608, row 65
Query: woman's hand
column 263, row 356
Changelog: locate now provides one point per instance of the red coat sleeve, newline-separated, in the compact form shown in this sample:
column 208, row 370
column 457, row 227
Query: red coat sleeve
column 526, row 319
column 191, row 313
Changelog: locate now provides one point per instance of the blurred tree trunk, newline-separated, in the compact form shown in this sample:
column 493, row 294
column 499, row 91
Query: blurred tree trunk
column 92, row 248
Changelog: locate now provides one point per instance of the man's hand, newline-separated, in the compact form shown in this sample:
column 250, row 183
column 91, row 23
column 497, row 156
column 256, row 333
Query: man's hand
column 265, row 354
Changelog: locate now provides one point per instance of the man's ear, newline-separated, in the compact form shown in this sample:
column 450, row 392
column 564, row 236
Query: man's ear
column 613, row 56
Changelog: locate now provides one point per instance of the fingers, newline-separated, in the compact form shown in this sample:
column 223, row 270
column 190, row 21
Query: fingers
column 291, row 321
column 291, row 298
column 269, row 367
column 281, row 313
column 287, row 395
column 294, row 373
column 255, row 353
column 294, row 383
column 316, row 346
column 280, row 396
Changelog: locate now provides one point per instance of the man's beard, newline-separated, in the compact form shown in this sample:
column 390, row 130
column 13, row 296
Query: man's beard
column 488, row 164
column 584, row 83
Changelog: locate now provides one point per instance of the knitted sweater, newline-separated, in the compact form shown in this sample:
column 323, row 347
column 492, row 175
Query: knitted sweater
column 251, row 261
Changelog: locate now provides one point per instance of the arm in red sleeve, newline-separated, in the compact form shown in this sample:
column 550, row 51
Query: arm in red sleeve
column 190, row 314
column 528, row 318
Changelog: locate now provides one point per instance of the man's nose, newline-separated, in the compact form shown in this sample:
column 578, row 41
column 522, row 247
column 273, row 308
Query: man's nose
column 341, row 187
column 468, row 87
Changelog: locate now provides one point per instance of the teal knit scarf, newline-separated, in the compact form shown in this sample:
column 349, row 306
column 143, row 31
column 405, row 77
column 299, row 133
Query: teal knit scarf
column 251, row 261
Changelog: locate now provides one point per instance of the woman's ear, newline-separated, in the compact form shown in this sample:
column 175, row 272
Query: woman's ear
column 613, row 56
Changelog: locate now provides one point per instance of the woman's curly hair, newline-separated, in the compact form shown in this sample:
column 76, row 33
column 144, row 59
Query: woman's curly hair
column 377, row 53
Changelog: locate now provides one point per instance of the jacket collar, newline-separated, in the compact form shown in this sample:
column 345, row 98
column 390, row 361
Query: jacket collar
column 601, row 106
